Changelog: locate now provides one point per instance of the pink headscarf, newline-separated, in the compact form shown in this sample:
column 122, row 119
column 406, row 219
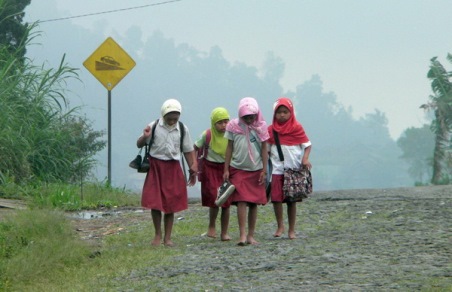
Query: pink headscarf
column 249, row 106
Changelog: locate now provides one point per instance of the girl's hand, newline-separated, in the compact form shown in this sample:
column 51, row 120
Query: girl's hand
column 147, row 131
column 306, row 164
column 192, row 180
column 226, row 175
column 262, row 177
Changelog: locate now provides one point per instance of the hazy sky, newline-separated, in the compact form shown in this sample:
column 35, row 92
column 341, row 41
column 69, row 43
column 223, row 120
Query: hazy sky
column 372, row 54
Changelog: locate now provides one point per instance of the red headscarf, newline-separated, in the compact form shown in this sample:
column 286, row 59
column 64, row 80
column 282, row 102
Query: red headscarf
column 290, row 132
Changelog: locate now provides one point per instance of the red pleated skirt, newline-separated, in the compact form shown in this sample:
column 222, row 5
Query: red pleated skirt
column 212, row 180
column 277, row 183
column 165, row 188
column 247, row 188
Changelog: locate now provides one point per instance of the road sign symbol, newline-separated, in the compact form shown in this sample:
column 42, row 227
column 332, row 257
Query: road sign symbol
column 109, row 63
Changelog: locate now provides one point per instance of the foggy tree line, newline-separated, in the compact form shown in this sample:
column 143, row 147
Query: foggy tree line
column 347, row 152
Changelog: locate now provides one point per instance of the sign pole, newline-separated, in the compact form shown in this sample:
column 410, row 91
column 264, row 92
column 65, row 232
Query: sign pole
column 109, row 138
column 109, row 63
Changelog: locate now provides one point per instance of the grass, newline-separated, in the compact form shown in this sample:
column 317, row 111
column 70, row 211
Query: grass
column 69, row 197
column 34, row 243
column 41, row 252
column 38, row 247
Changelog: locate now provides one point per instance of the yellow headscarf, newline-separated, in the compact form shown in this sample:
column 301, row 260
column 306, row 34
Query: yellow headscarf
column 217, row 142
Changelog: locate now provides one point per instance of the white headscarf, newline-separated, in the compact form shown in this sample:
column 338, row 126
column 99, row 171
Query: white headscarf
column 171, row 105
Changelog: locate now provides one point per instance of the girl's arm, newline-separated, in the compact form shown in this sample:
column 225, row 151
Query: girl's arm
column 146, row 134
column 193, row 166
column 227, row 159
column 305, row 158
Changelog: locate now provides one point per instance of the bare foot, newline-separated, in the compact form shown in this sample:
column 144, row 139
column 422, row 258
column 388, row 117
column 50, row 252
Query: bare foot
column 251, row 240
column 225, row 237
column 211, row 233
column 279, row 232
column 292, row 235
column 156, row 242
column 168, row 243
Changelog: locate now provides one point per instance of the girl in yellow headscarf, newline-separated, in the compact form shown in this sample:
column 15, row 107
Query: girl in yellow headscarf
column 211, row 148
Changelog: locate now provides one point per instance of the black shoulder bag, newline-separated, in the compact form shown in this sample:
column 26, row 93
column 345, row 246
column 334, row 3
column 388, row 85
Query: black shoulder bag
column 141, row 164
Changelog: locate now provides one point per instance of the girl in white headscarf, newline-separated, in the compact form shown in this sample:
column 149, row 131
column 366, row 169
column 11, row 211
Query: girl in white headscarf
column 165, row 187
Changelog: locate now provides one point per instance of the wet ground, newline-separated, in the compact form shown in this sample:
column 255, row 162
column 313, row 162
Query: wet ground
column 351, row 240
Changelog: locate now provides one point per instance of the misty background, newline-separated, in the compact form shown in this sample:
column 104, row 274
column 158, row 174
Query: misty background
column 356, row 71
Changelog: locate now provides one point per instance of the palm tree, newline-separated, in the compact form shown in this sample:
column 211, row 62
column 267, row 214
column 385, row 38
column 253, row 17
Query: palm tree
column 441, row 103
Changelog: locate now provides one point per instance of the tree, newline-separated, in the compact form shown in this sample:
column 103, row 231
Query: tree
column 13, row 32
column 347, row 153
column 417, row 145
column 441, row 103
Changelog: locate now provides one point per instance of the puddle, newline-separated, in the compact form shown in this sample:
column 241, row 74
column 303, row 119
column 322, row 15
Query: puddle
column 101, row 214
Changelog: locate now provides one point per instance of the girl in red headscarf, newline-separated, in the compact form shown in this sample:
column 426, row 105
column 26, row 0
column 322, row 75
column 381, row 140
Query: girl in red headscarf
column 296, row 147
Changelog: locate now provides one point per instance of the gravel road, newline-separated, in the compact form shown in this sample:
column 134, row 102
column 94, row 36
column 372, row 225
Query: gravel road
column 350, row 240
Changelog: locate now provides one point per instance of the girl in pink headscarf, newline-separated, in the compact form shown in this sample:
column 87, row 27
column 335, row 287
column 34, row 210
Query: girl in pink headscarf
column 246, row 163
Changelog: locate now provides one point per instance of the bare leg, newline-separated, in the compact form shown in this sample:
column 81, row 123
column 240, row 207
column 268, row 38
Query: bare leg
column 225, row 224
column 277, row 207
column 157, row 221
column 252, row 216
column 213, row 213
column 292, row 216
column 168, row 222
column 241, row 216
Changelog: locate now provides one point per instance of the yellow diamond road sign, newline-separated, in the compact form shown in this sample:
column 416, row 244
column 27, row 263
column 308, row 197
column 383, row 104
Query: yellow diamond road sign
column 109, row 63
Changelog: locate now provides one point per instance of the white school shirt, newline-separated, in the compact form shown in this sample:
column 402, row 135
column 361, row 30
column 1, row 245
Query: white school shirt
column 211, row 155
column 166, row 145
column 240, row 158
column 292, row 156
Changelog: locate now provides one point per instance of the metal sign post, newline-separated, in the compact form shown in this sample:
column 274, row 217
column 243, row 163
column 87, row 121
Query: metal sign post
column 109, row 63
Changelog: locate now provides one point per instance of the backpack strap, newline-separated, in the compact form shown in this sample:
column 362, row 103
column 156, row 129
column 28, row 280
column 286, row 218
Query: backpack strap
column 182, row 135
column 278, row 145
column 148, row 146
column 207, row 142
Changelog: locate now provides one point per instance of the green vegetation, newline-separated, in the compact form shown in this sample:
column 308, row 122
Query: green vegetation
column 41, row 138
column 39, row 251
column 441, row 105
column 13, row 32
column 69, row 197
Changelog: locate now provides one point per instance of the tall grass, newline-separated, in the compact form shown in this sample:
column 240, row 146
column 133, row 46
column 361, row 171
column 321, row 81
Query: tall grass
column 41, row 138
